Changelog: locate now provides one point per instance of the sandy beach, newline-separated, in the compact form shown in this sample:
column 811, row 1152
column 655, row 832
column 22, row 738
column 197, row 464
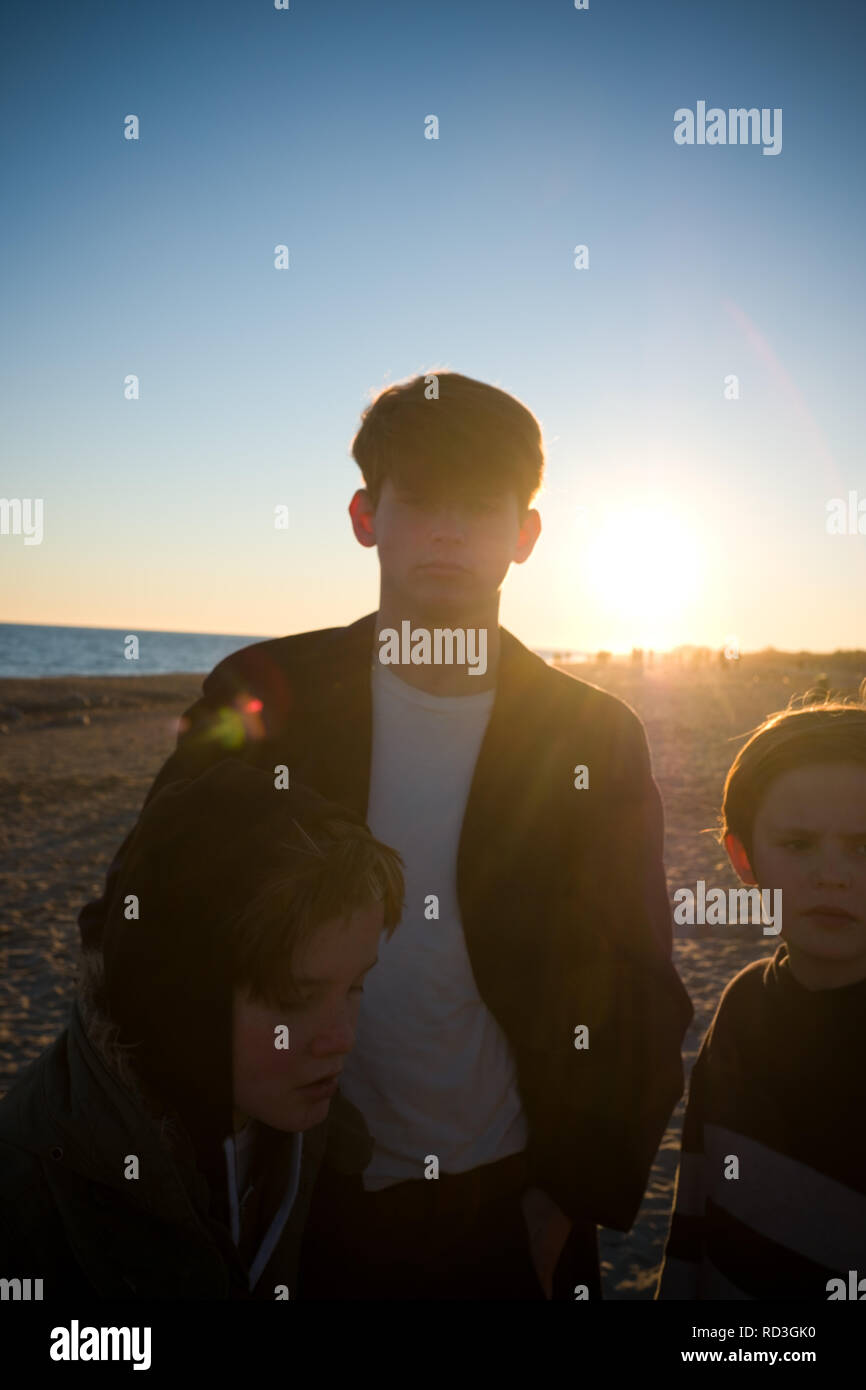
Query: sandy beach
column 77, row 756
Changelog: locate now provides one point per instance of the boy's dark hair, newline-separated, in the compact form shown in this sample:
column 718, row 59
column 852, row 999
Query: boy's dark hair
column 223, row 875
column 332, row 869
column 472, row 439
column 830, row 731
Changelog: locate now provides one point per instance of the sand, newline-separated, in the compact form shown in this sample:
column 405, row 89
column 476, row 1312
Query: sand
column 77, row 757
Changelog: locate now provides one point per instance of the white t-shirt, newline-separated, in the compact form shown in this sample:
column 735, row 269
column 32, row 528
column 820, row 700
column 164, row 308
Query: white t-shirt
column 431, row 1070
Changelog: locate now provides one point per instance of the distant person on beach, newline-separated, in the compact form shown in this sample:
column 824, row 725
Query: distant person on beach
column 167, row 1144
column 518, row 1049
column 771, row 1194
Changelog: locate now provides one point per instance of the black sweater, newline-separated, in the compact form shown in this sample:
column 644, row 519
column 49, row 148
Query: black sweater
column 780, row 1086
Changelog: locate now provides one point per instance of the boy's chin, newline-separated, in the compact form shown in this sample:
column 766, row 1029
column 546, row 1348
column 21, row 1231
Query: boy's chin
column 305, row 1114
column 446, row 593
column 440, row 609
column 842, row 945
column 296, row 1116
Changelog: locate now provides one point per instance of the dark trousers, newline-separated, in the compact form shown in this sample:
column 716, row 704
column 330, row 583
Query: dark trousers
column 461, row 1235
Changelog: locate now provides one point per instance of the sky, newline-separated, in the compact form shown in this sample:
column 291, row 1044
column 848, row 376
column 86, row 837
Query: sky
column 671, row 514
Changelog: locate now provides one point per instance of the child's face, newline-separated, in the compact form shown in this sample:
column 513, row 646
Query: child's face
column 809, row 839
column 274, row 1084
column 444, row 554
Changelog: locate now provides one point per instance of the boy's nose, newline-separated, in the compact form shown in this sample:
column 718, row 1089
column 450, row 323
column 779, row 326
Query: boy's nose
column 832, row 869
column 447, row 521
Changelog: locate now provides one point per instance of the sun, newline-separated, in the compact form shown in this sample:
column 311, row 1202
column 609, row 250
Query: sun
column 643, row 566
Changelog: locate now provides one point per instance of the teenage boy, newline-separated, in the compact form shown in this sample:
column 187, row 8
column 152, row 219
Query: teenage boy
column 771, row 1192
column 167, row 1144
column 520, row 1056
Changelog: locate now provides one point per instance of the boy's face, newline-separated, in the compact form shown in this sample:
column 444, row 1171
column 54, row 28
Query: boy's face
column 809, row 839
column 443, row 553
column 278, row 1085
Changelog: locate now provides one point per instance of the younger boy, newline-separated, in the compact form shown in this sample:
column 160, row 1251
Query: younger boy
column 167, row 1144
column 771, row 1193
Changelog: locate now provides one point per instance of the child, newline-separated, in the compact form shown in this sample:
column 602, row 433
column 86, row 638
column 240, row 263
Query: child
column 166, row 1145
column 771, row 1193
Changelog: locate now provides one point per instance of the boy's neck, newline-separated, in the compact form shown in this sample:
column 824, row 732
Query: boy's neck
column 443, row 679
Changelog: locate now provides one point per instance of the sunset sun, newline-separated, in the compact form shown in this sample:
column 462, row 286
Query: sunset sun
column 643, row 567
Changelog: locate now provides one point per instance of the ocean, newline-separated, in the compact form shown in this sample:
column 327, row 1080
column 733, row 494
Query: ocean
column 37, row 650
column 30, row 650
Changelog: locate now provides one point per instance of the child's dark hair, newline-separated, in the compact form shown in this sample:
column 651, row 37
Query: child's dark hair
column 829, row 731
column 470, row 438
column 242, row 873
column 337, row 869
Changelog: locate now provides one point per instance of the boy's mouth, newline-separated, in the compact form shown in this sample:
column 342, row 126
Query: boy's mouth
column 824, row 915
column 325, row 1084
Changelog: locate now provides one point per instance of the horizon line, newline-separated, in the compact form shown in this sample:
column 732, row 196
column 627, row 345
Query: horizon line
column 559, row 649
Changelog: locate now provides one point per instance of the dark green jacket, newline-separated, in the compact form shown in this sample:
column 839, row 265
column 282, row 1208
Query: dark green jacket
column 70, row 1217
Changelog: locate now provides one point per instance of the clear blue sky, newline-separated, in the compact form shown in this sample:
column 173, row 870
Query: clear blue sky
column 670, row 514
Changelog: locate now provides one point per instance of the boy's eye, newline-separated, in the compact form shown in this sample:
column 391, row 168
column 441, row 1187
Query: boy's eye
column 292, row 1003
column 795, row 844
column 474, row 505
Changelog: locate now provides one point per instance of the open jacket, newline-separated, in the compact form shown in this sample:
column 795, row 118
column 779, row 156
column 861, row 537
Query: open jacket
column 72, row 1218
column 561, row 888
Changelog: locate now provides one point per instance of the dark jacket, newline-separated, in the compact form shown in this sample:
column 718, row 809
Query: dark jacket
column 71, row 1218
column 562, row 891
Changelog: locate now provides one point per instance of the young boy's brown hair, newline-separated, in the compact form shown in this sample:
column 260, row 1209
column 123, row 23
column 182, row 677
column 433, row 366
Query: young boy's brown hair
column 829, row 731
column 453, row 434
column 332, row 867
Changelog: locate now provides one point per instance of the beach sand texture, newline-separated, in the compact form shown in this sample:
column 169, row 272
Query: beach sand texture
column 78, row 755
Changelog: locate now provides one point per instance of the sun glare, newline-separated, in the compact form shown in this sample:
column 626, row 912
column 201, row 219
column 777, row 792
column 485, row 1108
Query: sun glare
column 643, row 567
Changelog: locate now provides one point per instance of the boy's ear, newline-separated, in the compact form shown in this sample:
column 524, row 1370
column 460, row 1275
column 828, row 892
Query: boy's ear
column 530, row 530
column 361, row 510
column 739, row 859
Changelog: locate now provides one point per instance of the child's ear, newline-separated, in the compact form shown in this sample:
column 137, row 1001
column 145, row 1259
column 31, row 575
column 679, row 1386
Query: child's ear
column 362, row 511
column 530, row 530
column 739, row 859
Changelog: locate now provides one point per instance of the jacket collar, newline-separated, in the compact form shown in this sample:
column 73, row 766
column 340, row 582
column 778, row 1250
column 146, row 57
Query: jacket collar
column 339, row 704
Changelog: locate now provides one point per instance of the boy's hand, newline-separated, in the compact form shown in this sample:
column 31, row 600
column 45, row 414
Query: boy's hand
column 548, row 1228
